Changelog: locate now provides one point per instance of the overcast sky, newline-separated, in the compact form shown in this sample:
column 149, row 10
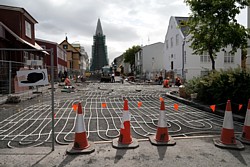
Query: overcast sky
column 124, row 22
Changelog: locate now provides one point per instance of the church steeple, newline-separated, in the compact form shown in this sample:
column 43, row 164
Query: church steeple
column 99, row 49
column 99, row 28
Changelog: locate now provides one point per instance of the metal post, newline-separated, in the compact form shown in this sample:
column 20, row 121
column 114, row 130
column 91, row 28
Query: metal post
column 9, row 77
column 248, row 26
column 52, row 98
column 183, row 58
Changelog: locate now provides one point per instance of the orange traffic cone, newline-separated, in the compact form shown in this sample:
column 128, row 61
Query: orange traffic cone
column 227, row 139
column 245, row 137
column 162, row 138
column 125, row 139
column 81, row 144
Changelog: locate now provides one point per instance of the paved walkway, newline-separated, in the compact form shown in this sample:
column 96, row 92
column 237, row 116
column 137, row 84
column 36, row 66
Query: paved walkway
column 187, row 152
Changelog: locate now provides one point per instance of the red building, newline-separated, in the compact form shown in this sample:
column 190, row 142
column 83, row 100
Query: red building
column 17, row 44
column 60, row 56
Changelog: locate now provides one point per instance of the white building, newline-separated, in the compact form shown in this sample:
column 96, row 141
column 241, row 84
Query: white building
column 180, row 60
column 149, row 60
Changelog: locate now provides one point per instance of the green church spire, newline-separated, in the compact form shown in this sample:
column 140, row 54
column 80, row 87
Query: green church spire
column 99, row 49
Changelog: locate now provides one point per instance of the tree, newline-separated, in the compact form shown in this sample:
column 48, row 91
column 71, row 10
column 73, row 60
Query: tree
column 129, row 55
column 213, row 26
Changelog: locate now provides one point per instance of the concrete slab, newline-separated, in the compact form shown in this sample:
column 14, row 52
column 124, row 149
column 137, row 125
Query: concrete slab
column 188, row 153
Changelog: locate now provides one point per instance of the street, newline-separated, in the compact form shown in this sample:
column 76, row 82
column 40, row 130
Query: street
column 28, row 126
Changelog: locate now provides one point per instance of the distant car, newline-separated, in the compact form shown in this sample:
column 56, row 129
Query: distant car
column 106, row 74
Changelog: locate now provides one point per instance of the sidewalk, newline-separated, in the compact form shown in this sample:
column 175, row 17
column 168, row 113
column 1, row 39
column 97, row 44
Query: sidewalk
column 32, row 93
column 190, row 152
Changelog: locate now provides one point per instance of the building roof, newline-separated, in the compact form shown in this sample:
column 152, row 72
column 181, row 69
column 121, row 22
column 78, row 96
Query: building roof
column 36, row 46
column 151, row 44
column 19, row 9
column 73, row 48
column 99, row 28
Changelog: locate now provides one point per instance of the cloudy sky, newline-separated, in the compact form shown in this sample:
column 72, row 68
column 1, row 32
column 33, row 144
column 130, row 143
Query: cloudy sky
column 124, row 22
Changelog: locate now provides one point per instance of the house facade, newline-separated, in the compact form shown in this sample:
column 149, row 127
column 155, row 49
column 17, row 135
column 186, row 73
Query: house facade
column 17, row 45
column 180, row 60
column 84, row 59
column 149, row 61
column 59, row 54
column 77, row 58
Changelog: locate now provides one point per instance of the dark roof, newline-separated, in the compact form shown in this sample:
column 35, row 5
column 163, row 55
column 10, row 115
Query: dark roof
column 181, row 23
column 99, row 28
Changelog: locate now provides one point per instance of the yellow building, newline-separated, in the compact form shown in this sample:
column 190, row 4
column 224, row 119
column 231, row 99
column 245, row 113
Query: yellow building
column 73, row 58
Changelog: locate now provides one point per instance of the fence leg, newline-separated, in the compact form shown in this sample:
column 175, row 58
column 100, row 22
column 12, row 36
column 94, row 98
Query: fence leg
column 10, row 77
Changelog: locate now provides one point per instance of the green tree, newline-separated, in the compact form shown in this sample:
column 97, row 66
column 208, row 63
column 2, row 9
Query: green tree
column 129, row 55
column 213, row 26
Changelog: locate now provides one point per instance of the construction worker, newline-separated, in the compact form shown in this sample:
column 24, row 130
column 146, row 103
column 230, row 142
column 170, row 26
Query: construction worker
column 177, row 81
column 67, row 81
column 166, row 83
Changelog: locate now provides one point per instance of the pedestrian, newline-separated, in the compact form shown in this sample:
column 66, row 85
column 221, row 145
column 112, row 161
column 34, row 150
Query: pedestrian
column 166, row 83
column 113, row 77
column 177, row 81
column 160, row 80
column 60, row 76
column 122, row 79
column 156, row 78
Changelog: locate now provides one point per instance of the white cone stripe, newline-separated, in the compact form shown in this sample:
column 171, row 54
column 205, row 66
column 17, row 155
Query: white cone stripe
column 247, row 119
column 228, row 120
column 161, row 122
column 126, row 117
column 80, row 127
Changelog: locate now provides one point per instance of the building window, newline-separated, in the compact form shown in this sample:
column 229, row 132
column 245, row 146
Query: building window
column 32, row 56
column 27, row 29
column 25, row 57
column 65, row 46
column 204, row 58
column 228, row 57
column 171, row 42
column 172, row 65
column 167, row 44
column 177, row 39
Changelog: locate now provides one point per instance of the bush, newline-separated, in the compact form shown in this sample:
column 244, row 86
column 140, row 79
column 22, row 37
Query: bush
column 219, row 86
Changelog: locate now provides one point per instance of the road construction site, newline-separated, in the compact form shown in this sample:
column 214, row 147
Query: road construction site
column 31, row 126
column 25, row 128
